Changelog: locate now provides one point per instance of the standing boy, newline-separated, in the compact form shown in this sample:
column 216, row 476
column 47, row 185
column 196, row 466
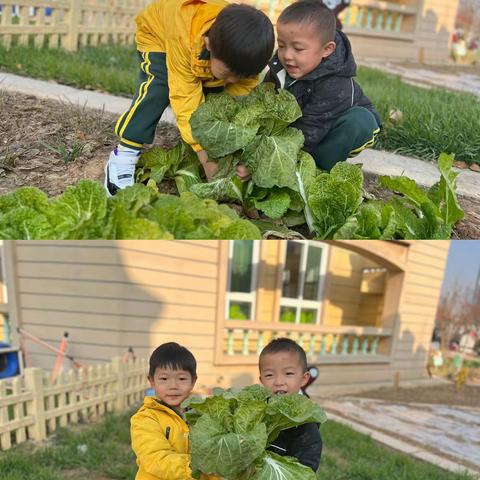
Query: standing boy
column 283, row 369
column 159, row 432
column 185, row 49
column 314, row 62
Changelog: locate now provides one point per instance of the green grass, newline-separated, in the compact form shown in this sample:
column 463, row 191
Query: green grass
column 434, row 121
column 110, row 68
column 347, row 456
column 352, row 455
column 108, row 454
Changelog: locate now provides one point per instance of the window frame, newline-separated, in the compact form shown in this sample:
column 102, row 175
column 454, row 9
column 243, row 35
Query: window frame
column 250, row 297
column 299, row 302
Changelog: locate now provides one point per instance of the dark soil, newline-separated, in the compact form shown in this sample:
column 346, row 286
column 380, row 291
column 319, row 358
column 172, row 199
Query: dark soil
column 51, row 145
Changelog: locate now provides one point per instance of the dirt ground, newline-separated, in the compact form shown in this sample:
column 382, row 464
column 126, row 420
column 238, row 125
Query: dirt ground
column 447, row 394
column 51, row 145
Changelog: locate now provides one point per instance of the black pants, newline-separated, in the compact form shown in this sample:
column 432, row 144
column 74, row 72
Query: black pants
column 137, row 125
column 354, row 131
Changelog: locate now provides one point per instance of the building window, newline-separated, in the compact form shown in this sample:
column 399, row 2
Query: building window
column 302, row 282
column 242, row 279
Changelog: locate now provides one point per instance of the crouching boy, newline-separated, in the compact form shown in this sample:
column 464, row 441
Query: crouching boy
column 314, row 62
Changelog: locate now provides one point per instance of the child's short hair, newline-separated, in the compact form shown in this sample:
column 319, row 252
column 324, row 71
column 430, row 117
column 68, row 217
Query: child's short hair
column 311, row 12
column 174, row 356
column 286, row 345
column 242, row 37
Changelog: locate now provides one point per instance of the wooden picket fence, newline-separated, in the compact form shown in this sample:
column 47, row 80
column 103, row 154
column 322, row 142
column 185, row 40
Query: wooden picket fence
column 68, row 23
column 32, row 408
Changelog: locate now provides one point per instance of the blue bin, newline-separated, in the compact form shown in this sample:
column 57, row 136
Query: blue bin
column 150, row 392
column 9, row 364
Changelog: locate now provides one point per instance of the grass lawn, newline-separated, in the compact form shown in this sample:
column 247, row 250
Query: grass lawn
column 434, row 121
column 347, row 455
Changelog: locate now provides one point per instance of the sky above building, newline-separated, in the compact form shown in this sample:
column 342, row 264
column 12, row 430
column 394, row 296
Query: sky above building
column 463, row 263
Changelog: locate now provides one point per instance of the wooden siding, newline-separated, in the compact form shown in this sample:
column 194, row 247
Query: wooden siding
column 112, row 295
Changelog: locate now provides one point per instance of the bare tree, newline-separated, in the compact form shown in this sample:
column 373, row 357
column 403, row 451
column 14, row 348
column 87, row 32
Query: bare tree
column 474, row 310
column 468, row 16
column 453, row 313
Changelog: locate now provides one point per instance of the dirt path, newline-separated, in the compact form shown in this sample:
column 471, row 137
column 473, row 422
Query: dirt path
column 460, row 78
column 447, row 394
column 447, row 430
column 51, row 145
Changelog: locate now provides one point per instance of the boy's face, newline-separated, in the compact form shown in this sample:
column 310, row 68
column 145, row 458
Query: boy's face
column 172, row 386
column 222, row 72
column 300, row 48
column 219, row 69
column 282, row 372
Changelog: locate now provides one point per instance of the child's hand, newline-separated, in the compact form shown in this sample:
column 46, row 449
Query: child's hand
column 242, row 172
column 210, row 168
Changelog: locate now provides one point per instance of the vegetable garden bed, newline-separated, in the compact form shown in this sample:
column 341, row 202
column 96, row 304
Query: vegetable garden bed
column 51, row 145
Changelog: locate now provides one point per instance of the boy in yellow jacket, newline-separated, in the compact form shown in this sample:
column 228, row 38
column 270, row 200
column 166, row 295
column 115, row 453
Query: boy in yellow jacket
column 187, row 48
column 159, row 432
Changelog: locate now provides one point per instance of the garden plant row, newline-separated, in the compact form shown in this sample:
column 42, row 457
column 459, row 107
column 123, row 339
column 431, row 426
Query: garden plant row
column 286, row 194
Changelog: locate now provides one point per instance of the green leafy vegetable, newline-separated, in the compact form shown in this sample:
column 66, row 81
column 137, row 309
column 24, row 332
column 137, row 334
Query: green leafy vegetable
column 412, row 212
column 138, row 212
column 180, row 163
column 275, row 467
column 231, row 431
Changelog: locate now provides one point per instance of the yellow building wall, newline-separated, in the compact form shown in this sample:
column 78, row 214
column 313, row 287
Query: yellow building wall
column 431, row 29
column 344, row 302
column 113, row 295
column 424, row 36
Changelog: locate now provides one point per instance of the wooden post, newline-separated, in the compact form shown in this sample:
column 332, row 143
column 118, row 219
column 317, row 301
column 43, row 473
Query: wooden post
column 19, row 414
column 70, row 41
column 396, row 380
column 39, row 20
column 62, row 399
column 5, row 442
column 35, row 407
column 119, row 369
column 73, row 395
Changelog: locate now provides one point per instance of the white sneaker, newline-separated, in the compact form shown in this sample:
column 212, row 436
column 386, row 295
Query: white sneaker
column 120, row 171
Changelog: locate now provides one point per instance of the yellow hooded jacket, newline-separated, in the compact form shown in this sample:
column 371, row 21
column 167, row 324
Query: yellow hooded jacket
column 177, row 28
column 159, row 458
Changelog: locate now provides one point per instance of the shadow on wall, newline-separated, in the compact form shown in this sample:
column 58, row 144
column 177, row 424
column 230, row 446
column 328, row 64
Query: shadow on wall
column 93, row 291
column 344, row 301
